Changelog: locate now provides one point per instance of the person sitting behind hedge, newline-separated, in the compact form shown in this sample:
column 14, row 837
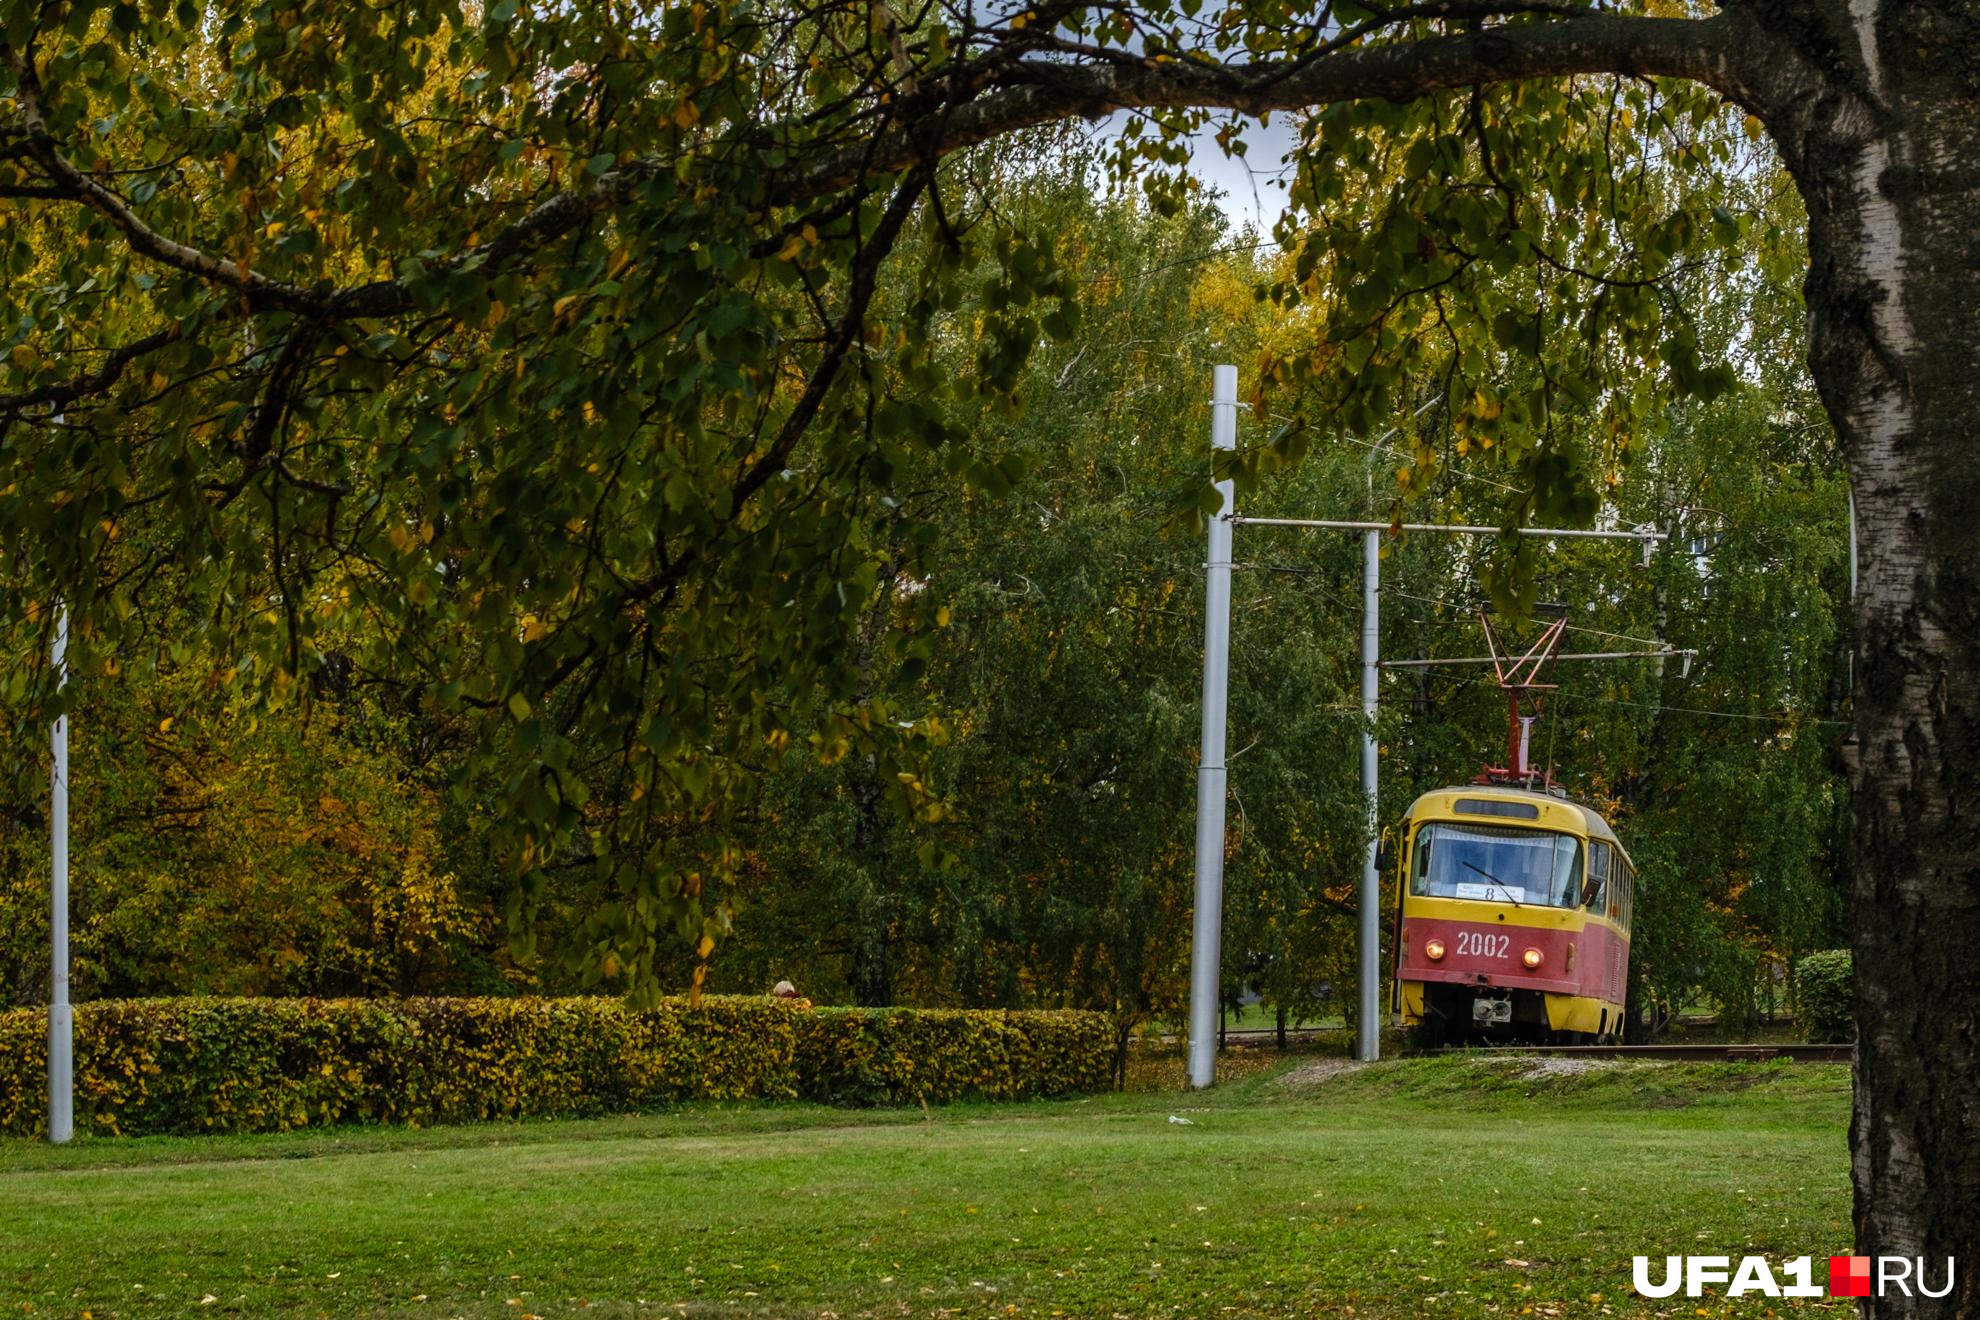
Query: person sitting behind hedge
column 787, row 992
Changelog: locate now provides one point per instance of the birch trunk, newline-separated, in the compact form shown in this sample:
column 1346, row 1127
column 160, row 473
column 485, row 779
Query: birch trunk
column 1886, row 150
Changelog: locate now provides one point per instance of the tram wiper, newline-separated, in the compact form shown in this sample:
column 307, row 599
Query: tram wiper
column 1504, row 888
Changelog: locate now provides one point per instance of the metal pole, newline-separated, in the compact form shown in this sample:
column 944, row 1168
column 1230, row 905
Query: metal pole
column 1207, row 935
column 61, row 1022
column 1342, row 525
column 1368, row 1046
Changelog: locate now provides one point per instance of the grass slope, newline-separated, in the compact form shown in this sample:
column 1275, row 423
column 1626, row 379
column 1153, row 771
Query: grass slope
column 1423, row 1188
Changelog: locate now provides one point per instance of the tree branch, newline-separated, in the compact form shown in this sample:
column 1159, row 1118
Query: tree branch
column 852, row 320
column 73, row 183
column 999, row 95
column 1002, row 96
column 68, row 391
column 1037, row 92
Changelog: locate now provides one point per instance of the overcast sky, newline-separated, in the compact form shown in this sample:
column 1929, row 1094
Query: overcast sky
column 1253, row 186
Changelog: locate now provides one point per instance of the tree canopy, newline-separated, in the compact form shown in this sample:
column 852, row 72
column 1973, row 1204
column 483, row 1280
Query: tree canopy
column 557, row 369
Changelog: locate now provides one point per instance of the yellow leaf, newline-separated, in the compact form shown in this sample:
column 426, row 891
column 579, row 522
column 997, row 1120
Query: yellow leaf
column 686, row 115
column 706, row 947
column 165, row 725
column 532, row 628
column 275, row 228
column 1754, row 128
column 565, row 303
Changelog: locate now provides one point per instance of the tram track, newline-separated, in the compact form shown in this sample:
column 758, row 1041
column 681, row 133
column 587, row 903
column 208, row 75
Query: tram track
column 1749, row 1052
column 1754, row 1053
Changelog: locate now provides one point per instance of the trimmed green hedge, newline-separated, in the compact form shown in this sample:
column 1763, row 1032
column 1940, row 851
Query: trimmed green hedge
column 1825, row 984
column 268, row 1065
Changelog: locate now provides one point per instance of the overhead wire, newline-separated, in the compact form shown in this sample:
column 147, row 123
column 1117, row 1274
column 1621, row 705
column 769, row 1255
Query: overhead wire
column 1349, row 607
column 1572, row 627
column 1778, row 717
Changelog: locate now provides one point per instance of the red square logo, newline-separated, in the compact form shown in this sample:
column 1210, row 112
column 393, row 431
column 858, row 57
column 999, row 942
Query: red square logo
column 1849, row 1276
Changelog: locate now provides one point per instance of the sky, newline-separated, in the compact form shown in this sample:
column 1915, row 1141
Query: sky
column 1253, row 185
column 1251, row 188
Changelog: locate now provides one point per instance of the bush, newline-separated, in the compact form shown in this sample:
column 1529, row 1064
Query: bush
column 851, row 1056
column 1826, row 986
column 268, row 1065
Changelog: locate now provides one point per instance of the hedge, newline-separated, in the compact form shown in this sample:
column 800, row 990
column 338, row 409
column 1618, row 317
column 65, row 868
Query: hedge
column 269, row 1065
column 1825, row 984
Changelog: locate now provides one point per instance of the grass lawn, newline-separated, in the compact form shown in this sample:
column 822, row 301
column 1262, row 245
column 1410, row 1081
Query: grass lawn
column 1423, row 1188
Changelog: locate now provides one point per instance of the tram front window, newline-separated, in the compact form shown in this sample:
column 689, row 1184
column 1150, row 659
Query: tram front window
column 1497, row 864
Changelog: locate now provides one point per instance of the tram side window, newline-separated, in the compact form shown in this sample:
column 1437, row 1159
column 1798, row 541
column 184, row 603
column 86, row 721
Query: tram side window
column 1626, row 896
column 1597, row 893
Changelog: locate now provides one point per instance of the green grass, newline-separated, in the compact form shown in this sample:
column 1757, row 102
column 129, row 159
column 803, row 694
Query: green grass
column 1443, row 1187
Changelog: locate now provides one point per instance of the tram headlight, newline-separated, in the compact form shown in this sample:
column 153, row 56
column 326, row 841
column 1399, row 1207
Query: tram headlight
column 1531, row 958
column 1433, row 950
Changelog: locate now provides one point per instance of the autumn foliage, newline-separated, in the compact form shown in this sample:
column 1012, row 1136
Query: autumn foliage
column 269, row 1065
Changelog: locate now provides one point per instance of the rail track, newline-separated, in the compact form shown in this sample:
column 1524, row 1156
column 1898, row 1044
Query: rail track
column 1761, row 1053
column 1757, row 1052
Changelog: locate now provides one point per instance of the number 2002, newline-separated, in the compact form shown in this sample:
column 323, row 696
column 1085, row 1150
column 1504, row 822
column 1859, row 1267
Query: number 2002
column 1483, row 944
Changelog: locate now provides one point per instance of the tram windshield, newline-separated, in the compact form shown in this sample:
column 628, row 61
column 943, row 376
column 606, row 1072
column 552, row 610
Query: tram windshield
column 1497, row 864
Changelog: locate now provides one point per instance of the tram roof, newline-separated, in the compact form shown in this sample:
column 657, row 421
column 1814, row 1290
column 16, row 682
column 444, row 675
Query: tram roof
column 1557, row 812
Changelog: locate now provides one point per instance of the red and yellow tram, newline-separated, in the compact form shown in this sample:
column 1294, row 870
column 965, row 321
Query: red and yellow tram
column 1512, row 918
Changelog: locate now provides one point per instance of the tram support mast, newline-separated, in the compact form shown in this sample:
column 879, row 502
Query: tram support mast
column 1368, row 1022
column 1207, row 925
column 61, row 1017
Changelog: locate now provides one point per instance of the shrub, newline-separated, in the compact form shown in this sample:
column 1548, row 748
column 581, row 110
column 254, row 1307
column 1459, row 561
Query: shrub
column 266, row 1065
column 1826, row 986
column 853, row 1056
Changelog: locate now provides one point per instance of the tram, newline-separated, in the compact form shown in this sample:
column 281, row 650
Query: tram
column 1513, row 904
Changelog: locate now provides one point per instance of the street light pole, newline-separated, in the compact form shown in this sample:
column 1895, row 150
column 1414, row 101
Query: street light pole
column 1207, row 933
column 61, row 1019
column 1368, row 1042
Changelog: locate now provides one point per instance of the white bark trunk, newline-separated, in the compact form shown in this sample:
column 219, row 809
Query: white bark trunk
column 1883, row 156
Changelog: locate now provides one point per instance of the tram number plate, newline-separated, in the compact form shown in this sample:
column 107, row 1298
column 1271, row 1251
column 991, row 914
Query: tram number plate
column 1483, row 944
column 1491, row 1010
